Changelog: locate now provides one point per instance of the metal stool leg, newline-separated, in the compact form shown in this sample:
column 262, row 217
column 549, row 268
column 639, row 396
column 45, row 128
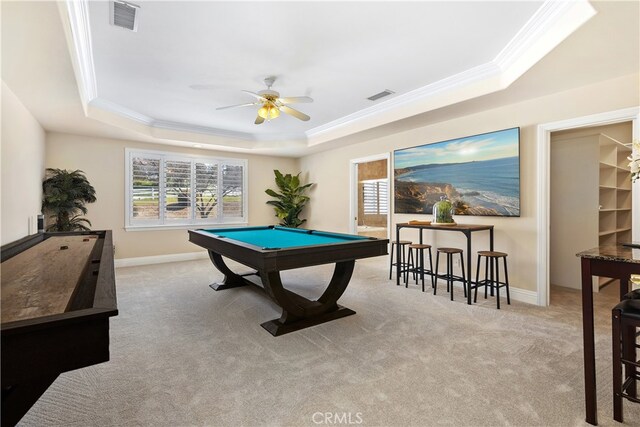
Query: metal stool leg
column 506, row 280
column 450, row 273
column 422, row 268
column 431, row 268
column 486, row 276
column 408, row 267
column 393, row 245
column 435, row 285
column 464, row 277
column 475, row 293
column 497, row 283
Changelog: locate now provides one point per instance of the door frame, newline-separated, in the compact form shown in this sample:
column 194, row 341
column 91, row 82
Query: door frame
column 353, row 189
column 544, row 191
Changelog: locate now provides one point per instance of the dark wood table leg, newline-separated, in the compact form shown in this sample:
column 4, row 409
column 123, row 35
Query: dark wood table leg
column 491, row 239
column 299, row 312
column 231, row 279
column 468, row 281
column 398, row 253
column 588, row 344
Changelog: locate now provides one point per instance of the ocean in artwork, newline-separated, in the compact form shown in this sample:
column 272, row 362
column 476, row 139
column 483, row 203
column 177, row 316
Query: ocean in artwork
column 492, row 184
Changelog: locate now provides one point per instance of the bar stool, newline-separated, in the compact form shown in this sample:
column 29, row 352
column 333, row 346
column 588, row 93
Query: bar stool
column 625, row 318
column 449, row 276
column 416, row 263
column 492, row 275
column 403, row 262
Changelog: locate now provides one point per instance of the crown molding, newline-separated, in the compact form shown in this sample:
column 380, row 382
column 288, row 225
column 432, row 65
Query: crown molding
column 553, row 22
column 476, row 74
column 548, row 27
column 75, row 17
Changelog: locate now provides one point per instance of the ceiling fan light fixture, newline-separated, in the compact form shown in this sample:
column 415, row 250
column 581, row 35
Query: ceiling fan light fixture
column 268, row 112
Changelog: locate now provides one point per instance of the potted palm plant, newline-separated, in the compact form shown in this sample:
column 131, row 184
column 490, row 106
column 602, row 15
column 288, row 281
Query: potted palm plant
column 64, row 195
column 291, row 199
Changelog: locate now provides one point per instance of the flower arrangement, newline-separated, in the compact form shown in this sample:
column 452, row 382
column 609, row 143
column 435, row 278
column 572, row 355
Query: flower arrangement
column 634, row 161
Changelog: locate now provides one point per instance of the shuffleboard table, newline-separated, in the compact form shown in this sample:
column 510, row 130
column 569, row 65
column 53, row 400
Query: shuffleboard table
column 58, row 293
column 272, row 249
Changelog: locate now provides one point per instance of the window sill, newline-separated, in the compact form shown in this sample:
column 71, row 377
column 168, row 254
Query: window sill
column 183, row 227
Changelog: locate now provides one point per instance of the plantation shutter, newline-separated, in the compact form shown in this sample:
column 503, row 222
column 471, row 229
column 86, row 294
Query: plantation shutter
column 165, row 189
column 232, row 190
column 206, row 195
column 177, row 179
column 383, row 198
column 375, row 197
column 145, row 189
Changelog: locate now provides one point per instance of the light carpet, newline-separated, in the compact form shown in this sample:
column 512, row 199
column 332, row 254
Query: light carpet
column 183, row 354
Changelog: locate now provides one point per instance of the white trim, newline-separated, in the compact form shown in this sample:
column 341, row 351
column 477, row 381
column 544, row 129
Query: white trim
column 467, row 77
column 547, row 27
column 185, row 227
column 516, row 294
column 159, row 259
column 543, row 193
column 76, row 15
column 523, row 295
column 162, row 223
column 353, row 189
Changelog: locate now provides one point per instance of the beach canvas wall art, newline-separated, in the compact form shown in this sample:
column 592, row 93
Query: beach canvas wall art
column 480, row 174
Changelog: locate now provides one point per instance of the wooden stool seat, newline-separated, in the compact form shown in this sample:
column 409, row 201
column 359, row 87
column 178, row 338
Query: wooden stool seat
column 450, row 250
column 419, row 246
column 402, row 242
column 492, row 254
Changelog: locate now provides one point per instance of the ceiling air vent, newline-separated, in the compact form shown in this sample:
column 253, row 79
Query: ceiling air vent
column 124, row 15
column 382, row 94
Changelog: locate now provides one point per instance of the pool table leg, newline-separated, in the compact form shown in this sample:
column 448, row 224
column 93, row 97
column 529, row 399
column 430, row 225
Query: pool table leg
column 297, row 311
column 231, row 279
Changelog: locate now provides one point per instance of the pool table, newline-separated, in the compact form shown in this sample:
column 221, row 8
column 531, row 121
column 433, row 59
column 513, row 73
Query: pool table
column 272, row 249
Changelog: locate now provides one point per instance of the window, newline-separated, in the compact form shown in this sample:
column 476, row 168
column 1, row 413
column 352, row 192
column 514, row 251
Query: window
column 375, row 197
column 168, row 189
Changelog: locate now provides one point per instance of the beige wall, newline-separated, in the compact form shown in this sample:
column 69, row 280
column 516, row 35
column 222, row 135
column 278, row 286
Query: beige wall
column 573, row 216
column 103, row 161
column 517, row 236
column 22, row 168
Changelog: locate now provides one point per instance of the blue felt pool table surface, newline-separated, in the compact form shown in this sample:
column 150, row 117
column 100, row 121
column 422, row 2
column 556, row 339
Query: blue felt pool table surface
column 283, row 237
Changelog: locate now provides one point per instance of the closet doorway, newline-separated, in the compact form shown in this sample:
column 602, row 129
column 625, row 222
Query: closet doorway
column 370, row 191
column 590, row 197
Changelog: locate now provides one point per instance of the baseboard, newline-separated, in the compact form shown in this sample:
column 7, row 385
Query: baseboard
column 516, row 294
column 524, row 295
column 159, row 259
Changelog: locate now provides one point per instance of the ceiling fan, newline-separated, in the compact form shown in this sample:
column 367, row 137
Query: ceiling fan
column 271, row 104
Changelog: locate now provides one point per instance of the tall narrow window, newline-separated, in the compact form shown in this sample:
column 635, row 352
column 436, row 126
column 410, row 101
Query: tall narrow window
column 375, row 197
column 145, row 188
column 165, row 189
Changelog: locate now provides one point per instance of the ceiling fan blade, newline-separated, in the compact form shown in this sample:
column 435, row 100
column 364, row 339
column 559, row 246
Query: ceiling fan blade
column 295, row 113
column 260, row 97
column 238, row 105
column 259, row 120
column 295, row 100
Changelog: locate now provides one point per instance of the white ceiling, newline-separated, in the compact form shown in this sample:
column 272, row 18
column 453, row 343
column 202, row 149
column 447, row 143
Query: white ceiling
column 338, row 53
column 432, row 54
